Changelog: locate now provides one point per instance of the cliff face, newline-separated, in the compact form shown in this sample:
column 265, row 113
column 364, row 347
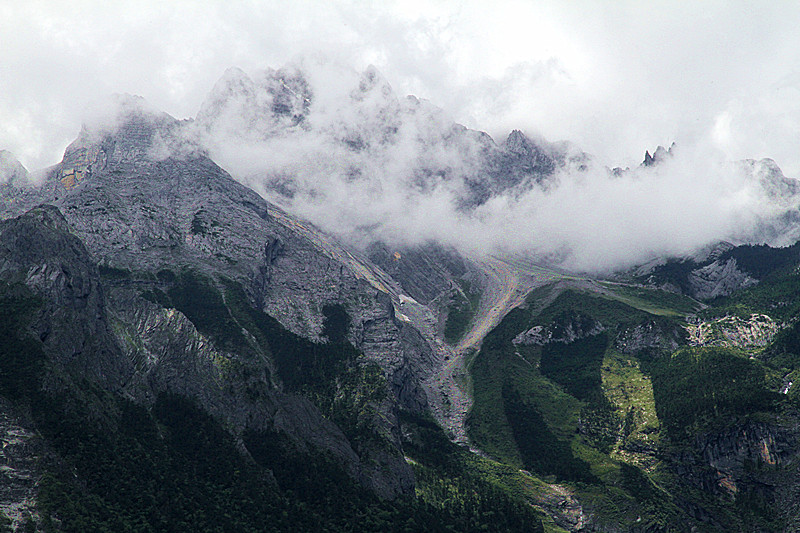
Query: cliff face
column 11, row 171
column 130, row 346
column 718, row 279
column 40, row 252
column 142, row 203
column 149, row 273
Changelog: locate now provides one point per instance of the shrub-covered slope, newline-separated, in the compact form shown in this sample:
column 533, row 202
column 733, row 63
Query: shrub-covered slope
column 604, row 394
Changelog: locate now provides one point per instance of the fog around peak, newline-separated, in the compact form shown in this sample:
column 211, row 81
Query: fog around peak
column 614, row 79
column 364, row 164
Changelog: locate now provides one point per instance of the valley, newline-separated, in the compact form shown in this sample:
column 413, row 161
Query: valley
column 163, row 315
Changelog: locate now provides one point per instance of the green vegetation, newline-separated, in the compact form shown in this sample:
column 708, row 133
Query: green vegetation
column 563, row 410
column 777, row 295
column 124, row 467
column 575, row 411
column 451, row 478
column 21, row 357
column 461, row 312
column 674, row 272
column 761, row 260
column 630, row 393
column 330, row 374
column 610, row 312
column 576, row 366
column 698, row 388
column 109, row 272
column 5, row 524
column 175, row 469
column 653, row 301
column 540, row 450
column 785, row 349
column 196, row 296
column 172, row 469
column 519, row 415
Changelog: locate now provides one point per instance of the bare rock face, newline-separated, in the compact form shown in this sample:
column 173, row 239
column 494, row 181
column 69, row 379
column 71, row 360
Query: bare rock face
column 39, row 251
column 718, row 279
column 650, row 335
column 424, row 272
column 140, row 198
column 129, row 345
column 21, row 451
column 364, row 124
column 752, row 460
column 564, row 329
column 520, row 157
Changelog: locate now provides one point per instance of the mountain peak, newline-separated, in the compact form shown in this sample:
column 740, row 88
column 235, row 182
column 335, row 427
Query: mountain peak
column 255, row 108
column 661, row 154
column 517, row 142
column 110, row 114
column 371, row 81
column 123, row 131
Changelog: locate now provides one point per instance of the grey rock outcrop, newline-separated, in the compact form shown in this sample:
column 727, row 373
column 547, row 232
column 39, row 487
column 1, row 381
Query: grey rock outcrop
column 661, row 154
column 564, row 329
column 141, row 197
column 719, row 279
column 39, row 251
column 747, row 460
column 708, row 273
column 424, row 272
column 653, row 334
column 369, row 123
column 21, row 452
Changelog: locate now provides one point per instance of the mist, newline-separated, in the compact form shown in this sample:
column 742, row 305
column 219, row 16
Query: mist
column 722, row 79
column 616, row 78
column 363, row 164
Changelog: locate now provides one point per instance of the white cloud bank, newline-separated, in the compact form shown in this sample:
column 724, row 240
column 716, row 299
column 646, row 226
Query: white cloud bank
column 407, row 180
column 720, row 78
column 614, row 77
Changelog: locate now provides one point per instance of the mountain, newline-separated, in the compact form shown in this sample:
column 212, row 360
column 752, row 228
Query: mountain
column 147, row 280
column 368, row 124
column 180, row 353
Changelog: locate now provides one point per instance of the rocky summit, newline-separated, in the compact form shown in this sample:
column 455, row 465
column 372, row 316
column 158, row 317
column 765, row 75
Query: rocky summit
column 182, row 353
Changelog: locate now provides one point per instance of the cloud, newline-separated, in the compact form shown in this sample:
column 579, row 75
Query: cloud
column 363, row 164
column 615, row 78
column 722, row 79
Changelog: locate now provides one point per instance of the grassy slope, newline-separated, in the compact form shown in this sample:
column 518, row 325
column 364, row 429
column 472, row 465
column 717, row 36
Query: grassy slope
column 609, row 433
column 652, row 301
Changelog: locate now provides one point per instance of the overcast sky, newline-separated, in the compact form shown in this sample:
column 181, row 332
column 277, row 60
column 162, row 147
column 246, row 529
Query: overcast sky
column 614, row 77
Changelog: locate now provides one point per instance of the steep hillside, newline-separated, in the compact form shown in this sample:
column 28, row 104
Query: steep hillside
column 163, row 315
column 181, row 354
column 611, row 396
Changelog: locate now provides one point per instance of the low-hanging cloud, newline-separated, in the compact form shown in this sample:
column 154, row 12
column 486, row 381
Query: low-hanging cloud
column 721, row 79
column 365, row 165
column 614, row 77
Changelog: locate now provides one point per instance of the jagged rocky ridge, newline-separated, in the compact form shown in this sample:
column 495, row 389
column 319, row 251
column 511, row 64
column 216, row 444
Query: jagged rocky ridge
column 715, row 271
column 11, row 170
column 134, row 220
column 372, row 124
